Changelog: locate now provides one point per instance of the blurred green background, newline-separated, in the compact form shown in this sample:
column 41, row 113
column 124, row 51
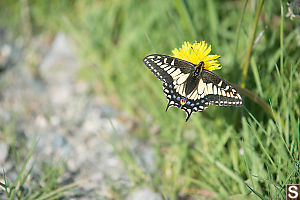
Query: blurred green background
column 221, row 153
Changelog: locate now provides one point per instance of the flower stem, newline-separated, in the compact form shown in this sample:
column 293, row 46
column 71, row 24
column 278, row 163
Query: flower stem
column 249, row 50
column 281, row 38
column 238, row 31
column 256, row 99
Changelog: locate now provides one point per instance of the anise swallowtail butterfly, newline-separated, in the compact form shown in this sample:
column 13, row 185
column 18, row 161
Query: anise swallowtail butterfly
column 191, row 87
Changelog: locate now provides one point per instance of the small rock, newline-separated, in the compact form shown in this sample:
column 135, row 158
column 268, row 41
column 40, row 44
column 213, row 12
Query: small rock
column 146, row 159
column 144, row 193
column 55, row 120
column 5, row 52
column 41, row 121
column 4, row 152
column 107, row 112
column 58, row 141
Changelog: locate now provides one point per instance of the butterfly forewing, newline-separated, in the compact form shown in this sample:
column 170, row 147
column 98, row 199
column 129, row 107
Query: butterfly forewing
column 168, row 69
column 176, row 75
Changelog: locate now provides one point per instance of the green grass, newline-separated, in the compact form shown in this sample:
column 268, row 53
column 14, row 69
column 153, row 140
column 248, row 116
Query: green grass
column 232, row 153
column 46, row 184
column 24, row 188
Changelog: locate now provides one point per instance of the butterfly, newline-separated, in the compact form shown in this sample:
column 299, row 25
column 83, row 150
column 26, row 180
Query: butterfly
column 191, row 87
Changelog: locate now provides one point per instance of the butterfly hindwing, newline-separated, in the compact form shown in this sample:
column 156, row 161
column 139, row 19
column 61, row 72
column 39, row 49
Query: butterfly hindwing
column 189, row 107
column 211, row 90
column 172, row 96
column 194, row 106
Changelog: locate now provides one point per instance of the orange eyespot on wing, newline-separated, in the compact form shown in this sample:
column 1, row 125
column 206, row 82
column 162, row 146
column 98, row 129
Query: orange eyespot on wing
column 183, row 101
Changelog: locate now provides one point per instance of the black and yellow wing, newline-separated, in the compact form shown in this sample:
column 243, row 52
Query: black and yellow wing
column 177, row 75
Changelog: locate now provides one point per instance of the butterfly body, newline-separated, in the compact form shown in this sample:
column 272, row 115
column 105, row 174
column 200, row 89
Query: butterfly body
column 193, row 80
column 191, row 87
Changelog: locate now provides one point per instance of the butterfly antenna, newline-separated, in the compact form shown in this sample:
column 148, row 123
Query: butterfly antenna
column 194, row 52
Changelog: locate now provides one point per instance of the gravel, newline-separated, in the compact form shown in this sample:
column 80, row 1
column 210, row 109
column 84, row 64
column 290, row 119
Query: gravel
column 48, row 103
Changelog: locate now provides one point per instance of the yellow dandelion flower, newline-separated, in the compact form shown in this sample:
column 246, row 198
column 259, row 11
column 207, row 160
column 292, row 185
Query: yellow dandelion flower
column 197, row 52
